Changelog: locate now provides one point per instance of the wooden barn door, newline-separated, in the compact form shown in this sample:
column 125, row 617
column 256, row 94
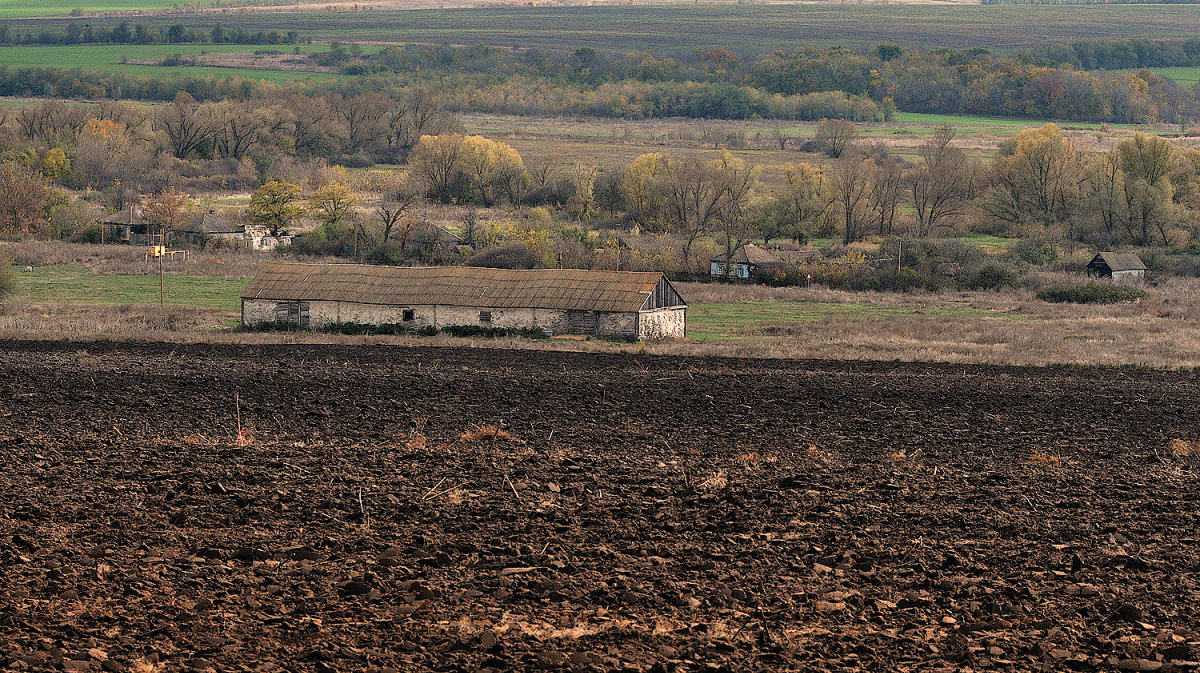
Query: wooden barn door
column 582, row 322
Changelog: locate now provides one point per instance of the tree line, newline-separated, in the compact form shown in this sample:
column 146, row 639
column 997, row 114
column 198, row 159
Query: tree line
column 715, row 84
column 77, row 32
column 1144, row 191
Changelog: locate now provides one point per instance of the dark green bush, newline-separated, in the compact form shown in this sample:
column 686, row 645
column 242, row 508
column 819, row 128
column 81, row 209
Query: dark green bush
column 1090, row 293
column 990, row 276
column 1035, row 251
column 493, row 332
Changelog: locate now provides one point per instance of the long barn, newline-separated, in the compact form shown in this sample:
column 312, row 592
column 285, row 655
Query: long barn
column 556, row 301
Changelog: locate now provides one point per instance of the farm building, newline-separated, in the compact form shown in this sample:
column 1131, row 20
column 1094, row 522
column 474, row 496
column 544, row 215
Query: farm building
column 1122, row 267
column 749, row 259
column 557, row 301
column 125, row 226
column 211, row 226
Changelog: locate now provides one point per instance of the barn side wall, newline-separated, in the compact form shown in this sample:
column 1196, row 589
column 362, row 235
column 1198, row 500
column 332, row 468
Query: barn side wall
column 1128, row 277
column 663, row 323
column 257, row 311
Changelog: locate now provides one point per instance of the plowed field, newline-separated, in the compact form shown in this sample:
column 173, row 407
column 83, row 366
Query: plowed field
column 446, row 509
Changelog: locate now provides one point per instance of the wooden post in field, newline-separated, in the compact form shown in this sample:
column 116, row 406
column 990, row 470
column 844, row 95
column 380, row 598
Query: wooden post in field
column 162, row 252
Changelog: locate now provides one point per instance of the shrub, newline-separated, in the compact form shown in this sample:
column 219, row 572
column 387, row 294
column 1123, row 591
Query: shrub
column 87, row 235
column 1035, row 251
column 388, row 254
column 508, row 256
column 990, row 276
column 493, row 332
column 8, row 276
column 375, row 330
column 313, row 243
column 1090, row 293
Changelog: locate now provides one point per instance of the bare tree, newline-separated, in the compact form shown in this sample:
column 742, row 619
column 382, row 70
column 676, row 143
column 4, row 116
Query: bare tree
column 313, row 124
column 240, row 126
column 50, row 120
column 410, row 118
column 779, row 135
column 699, row 195
column 187, row 124
column 835, row 136
column 940, row 186
column 398, row 199
column 542, row 172
column 850, row 180
column 165, row 212
column 470, row 226
column 363, row 117
column 887, row 181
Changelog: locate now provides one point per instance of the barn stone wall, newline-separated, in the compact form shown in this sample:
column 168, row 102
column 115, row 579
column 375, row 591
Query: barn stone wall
column 663, row 323
column 257, row 311
column 658, row 324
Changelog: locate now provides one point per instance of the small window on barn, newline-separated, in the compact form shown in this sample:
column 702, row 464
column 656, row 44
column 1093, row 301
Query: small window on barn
column 408, row 315
column 485, row 316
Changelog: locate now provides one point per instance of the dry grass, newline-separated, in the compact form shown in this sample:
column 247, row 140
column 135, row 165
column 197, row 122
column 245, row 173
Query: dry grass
column 126, row 259
column 755, row 459
column 1011, row 327
column 1180, row 448
column 127, row 321
column 1043, row 459
column 489, row 433
column 714, row 481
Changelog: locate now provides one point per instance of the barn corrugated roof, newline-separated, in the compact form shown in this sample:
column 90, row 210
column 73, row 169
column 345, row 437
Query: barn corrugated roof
column 1122, row 261
column 751, row 254
column 561, row 289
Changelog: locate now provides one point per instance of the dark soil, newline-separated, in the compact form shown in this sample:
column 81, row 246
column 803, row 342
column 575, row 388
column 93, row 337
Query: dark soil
column 622, row 512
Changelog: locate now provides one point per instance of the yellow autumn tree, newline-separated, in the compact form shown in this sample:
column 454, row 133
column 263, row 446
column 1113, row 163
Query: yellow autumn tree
column 640, row 186
column 495, row 170
column 800, row 208
column 468, row 169
column 1036, row 178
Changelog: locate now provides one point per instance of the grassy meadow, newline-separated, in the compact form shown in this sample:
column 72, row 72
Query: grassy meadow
column 76, row 284
column 24, row 8
column 117, row 59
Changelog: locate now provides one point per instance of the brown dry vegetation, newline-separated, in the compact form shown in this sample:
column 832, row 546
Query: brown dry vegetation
column 123, row 259
column 976, row 327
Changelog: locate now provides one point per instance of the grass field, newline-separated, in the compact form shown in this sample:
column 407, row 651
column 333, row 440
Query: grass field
column 75, row 284
column 25, row 8
column 110, row 58
column 1184, row 77
column 756, row 319
column 680, row 29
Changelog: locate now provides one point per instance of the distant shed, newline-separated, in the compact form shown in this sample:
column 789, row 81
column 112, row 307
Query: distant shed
column 126, row 226
column 557, row 301
column 1122, row 267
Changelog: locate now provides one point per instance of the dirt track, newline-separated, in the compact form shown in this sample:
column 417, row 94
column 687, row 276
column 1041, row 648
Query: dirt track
column 632, row 513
